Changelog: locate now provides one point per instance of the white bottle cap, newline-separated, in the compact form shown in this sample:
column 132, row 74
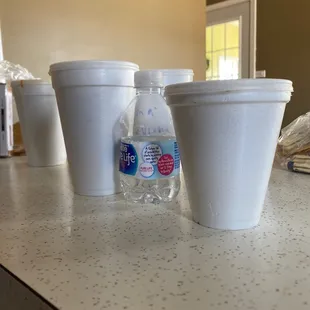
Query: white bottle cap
column 149, row 78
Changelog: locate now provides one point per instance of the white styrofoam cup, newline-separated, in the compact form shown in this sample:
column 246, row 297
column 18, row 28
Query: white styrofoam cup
column 175, row 76
column 91, row 97
column 40, row 123
column 227, row 133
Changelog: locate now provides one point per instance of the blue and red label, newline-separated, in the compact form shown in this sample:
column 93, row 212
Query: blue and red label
column 150, row 160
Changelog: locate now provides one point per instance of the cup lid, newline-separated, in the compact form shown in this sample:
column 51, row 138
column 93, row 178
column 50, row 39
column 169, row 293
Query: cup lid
column 93, row 64
column 224, row 86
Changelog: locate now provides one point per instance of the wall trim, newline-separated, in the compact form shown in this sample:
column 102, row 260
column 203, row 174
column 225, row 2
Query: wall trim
column 224, row 4
column 253, row 37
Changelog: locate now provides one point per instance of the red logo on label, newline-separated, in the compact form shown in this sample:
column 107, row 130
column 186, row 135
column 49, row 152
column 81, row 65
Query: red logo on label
column 165, row 164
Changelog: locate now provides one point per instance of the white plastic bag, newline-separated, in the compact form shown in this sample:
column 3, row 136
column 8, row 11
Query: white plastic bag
column 13, row 72
column 293, row 150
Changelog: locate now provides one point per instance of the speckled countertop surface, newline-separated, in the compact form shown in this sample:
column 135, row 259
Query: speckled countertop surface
column 97, row 253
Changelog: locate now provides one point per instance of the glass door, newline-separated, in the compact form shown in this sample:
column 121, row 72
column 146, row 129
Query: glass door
column 230, row 41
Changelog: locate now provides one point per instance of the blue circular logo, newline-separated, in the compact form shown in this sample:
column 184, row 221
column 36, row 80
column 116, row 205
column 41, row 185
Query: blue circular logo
column 128, row 163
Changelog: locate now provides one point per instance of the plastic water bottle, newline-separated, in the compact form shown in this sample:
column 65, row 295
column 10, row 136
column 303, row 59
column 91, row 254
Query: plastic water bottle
column 149, row 154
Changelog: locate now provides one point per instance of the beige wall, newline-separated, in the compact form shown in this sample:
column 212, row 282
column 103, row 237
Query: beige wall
column 152, row 33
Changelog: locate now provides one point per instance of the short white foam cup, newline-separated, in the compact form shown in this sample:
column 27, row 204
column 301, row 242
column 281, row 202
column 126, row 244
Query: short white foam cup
column 91, row 97
column 227, row 133
column 40, row 123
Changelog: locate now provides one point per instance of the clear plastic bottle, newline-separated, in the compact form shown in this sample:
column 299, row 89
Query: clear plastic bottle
column 149, row 154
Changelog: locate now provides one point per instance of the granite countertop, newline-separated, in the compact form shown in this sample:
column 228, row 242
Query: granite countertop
column 99, row 253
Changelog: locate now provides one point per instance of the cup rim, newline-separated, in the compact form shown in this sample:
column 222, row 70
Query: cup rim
column 228, row 86
column 92, row 64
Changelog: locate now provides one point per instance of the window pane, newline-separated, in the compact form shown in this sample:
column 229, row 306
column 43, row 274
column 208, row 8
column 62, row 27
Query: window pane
column 232, row 63
column 229, row 65
column 209, row 39
column 223, row 51
column 216, row 56
column 218, row 37
column 233, row 52
column 232, row 34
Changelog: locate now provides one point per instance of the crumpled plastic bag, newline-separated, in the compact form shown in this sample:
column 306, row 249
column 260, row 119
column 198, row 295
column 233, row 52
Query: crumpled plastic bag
column 293, row 150
column 13, row 72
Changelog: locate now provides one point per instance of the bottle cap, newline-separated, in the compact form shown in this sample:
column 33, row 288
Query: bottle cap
column 149, row 78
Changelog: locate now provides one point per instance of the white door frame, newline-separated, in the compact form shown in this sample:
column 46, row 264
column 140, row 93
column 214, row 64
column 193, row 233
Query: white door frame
column 1, row 47
column 253, row 27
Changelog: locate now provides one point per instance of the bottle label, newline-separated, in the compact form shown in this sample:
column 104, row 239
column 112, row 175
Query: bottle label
column 150, row 160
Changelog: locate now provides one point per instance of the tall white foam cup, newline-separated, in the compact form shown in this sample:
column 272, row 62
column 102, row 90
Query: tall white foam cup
column 91, row 97
column 227, row 133
column 174, row 76
column 40, row 123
